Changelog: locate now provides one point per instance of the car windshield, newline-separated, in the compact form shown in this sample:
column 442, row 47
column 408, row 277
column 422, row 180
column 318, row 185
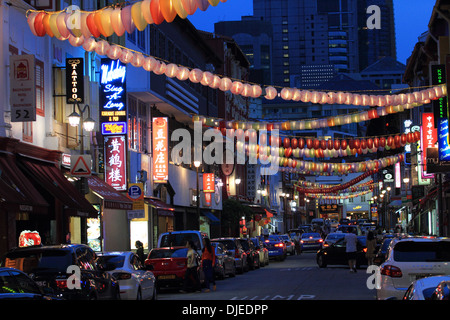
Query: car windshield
column 40, row 260
column 284, row 237
column 229, row 244
column 168, row 253
column 116, row 260
column 179, row 240
column 335, row 236
column 274, row 238
column 412, row 251
column 310, row 235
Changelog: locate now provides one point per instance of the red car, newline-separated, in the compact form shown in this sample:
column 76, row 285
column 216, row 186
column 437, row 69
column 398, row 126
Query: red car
column 168, row 265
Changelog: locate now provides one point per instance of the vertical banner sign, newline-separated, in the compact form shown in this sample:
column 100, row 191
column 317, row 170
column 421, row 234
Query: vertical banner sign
column 428, row 137
column 74, row 80
column 113, row 110
column 444, row 147
column 160, row 138
column 438, row 77
column 115, row 166
column 208, row 183
column 22, row 78
column 398, row 178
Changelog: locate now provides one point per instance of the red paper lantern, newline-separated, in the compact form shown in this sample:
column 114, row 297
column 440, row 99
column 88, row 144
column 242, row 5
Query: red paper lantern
column 294, row 143
column 301, row 143
column 344, row 144
column 287, row 142
column 330, row 144
column 309, row 143
column 337, row 145
column 316, row 144
column 323, row 144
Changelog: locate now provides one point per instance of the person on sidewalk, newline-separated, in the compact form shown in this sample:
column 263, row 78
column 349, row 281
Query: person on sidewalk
column 351, row 241
column 191, row 278
column 208, row 261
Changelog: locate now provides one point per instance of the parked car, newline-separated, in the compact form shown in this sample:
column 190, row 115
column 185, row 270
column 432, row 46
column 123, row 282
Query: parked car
column 344, row 221
column 262, row 251
column 290, row 245
column 135, row 282
column 276, row 247
column 16, row 285
column 442, row 291
column 424, row 288
column 335, row 254
column 305, row 228
column 225, row 264
column 234, row 246
column 410, row 259
column 332, row 238
column 48, row 266
column 168, row 265
column 252, row 254
column 311, row 241
column 179, row 239
column 351, row 228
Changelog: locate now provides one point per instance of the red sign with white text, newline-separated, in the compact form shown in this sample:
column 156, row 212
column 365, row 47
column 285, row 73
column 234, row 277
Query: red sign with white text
column 208, row 182
column 115, row 162
column 429, row 136
column 160, row 138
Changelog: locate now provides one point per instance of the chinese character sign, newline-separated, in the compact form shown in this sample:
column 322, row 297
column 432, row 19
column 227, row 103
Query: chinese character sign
column 115, row 162
column 160, row 131
column 429, row 135
column 208, row 182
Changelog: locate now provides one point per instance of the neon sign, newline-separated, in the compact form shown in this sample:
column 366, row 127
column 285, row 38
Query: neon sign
column 74, row 80
column 113, row 108
column 115, row 155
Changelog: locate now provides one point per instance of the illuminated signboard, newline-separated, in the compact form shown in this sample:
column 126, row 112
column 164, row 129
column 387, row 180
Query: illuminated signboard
column 398, row 178
column 208, row 183
column 428, row 137
column 74, row 80
column 160, row 131
column 438, row 77
column 444, row 147
column 115, row 164
column 113, row 107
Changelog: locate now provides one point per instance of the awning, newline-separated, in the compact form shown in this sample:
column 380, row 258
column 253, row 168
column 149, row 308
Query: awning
column 112, row 199
column 396, row 203
column 162, row 208
column 213, row 219
column 50, row 178
column 16, row 191
column 258, row 209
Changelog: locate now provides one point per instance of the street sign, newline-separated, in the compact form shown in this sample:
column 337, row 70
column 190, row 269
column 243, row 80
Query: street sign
column 80, row 165
column 136, row 193
column 22, row 88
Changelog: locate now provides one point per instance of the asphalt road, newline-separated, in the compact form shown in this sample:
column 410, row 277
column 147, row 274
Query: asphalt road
column 296, row 278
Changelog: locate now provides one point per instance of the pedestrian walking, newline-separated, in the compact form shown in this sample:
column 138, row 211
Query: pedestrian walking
column 208, row 261
column 371, row 244
column 350, row 249
column 140, row 251
column 191, row 279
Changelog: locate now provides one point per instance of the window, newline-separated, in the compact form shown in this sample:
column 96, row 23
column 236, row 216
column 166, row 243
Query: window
column 40, row 106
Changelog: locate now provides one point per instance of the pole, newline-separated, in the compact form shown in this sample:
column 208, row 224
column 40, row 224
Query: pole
column 198, row 202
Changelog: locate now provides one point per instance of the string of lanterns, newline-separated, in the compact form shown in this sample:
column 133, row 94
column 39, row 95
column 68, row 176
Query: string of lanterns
column 325, row 197
column 336, row 188
column 320, row 185
column 115, row 19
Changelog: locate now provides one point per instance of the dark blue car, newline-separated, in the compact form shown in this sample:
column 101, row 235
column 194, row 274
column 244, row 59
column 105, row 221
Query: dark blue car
column 276, row 247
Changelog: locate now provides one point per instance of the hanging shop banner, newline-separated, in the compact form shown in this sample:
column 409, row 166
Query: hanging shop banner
column 433, row 163
column 74, row 80
column 160, row 138
column 22, row 78
column 208, row 183
column 115, row 162
column 113, row 106
column 438, row 77
column 444, row 146
column 428, row 137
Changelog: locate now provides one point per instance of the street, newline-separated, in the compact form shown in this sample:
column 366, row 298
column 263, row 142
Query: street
column 296, row 278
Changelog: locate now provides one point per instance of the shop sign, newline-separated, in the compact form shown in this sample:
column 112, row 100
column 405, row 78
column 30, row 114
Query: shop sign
column 398, row 178
column 433, row 163
column 113, row 110
column 438, row 77
column 428, row 136
column 29, row 238
column 444, row 147
column 22, row 88
column 136, row 194
column 115, row 166
column 74, row 80
column 160, row 131
column 208, row 182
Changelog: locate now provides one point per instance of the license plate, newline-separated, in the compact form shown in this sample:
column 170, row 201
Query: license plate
column 170, row 276
column 41, row 283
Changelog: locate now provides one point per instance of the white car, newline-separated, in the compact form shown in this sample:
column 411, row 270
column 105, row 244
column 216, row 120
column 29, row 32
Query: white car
column 424, row 288
column 135, row 282
column 410, row 259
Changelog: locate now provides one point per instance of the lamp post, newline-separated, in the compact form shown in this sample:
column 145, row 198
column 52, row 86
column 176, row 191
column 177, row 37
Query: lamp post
column 197, row 201
column 87, row 124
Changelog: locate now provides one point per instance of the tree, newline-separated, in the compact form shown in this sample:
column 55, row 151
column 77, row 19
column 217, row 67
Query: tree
column 232, row 212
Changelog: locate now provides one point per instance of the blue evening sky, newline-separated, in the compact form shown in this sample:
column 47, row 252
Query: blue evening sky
column 411, row 20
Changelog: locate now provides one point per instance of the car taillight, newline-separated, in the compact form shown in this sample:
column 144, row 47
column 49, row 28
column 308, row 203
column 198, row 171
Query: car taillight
column 391, row 271
column 321, row 240
column 365, row 250
column 301, row 241
column 61, row 284
column 122, row 275
column 280, row 245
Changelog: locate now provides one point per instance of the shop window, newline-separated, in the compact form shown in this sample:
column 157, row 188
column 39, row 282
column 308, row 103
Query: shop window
column 40, row 105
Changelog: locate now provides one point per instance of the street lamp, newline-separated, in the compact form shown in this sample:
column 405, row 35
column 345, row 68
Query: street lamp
column 87, row 124
column 197, row 202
